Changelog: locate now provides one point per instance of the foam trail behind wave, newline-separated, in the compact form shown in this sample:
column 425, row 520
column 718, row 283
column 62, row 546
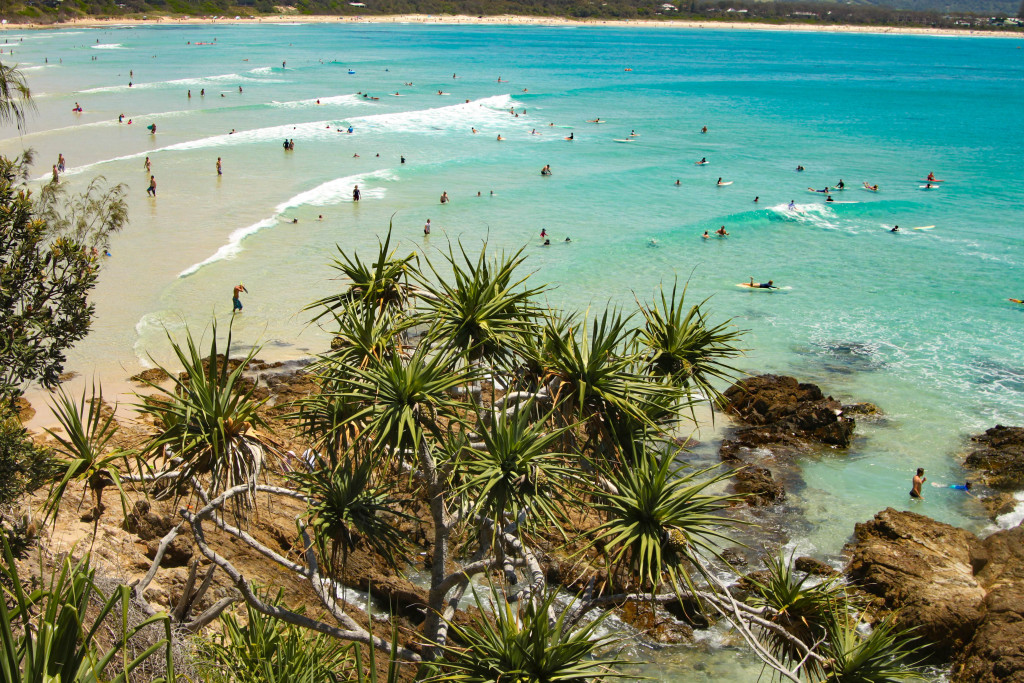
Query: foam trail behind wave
column 333, row 100
column 331, row 192
column 178, row 83
column 814, row 215
column 108, row 46
column 489, row 113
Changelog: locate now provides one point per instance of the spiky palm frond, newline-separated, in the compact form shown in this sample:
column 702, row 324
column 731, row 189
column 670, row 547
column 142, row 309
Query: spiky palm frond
column 364, row 333
column 347, row 508
column 405, row 399
column 84, row 440
column 797, row 604
column 524, row 645
column 886, row 654
column 206, row 419
column 661, row 522
column 383, row 283
column 600, row 379
column 516, row 468
column 268, row 650
column 481, row 307
column 49, row 634
column 682, row 347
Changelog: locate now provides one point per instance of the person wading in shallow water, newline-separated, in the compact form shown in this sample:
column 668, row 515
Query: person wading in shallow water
column 236, row 301
column 919, row 479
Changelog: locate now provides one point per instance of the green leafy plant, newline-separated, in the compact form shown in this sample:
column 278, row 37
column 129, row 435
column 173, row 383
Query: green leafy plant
column 268, row 650
column 207, row 420
column 50, row 635
column 885, row 654
column 660, row 521
column 347, row 508
column 682, row 347
column 523, row 644
column 84, row 440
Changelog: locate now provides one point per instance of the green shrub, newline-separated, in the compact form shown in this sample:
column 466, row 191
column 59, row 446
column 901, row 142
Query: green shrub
column 24, row 465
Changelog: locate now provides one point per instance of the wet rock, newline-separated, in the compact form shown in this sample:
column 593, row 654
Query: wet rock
column 924, row 569
column 814, row 567
column 999, row 456
column 735, row 557
column 656, row 624
column 861, row 408
column 758, row 486
column 150, row 375
column 790, row 407
column 999, row 503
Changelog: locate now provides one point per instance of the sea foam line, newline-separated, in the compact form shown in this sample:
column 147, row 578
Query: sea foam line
column 179, row 82
column 331, row 192
column 488, row 110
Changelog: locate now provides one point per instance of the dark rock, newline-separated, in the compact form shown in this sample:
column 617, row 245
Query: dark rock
column 735, row 557
column 656, row 624
column 151, row 528
column 999, row 455
column 150, row 375
column 790, row 407
column 924, row 569
column 814, row 567
column 758, row 486
column 861, row 408
column 999, row 503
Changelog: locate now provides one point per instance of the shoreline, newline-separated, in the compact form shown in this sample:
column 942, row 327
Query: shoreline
column 519, row 20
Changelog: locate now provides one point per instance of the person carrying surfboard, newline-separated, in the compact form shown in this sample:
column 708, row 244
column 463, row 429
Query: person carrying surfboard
column 762, row 285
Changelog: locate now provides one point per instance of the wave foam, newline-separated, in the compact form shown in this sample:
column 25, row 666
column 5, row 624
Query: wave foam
column 1014, row 517
column 318, row 101
column 180, row 82
column 814, row 215
column 108, row 46
column 334, row 191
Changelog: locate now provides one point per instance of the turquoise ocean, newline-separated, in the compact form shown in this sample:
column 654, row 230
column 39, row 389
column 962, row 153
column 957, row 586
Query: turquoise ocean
column 917, row 322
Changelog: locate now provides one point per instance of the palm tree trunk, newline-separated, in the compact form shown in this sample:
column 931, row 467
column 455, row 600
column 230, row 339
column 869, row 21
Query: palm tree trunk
column 440, row 517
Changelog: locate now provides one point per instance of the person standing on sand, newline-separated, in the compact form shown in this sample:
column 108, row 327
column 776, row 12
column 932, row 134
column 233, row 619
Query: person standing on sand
column 356, row 193
column 236, row 302
column 151, row 191
column 919, row 479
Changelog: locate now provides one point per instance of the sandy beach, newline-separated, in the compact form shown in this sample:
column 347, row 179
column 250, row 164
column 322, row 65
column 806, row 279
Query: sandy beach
column 517, row 20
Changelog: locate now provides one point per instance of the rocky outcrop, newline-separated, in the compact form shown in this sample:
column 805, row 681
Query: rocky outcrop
column 783, row 418
column 998, row 455
column 790, row 408
column 963, row 595
column 996, row 653
column 923, row 569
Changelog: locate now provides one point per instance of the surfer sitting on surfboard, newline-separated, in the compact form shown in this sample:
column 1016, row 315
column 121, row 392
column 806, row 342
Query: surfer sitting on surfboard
column 762, row 285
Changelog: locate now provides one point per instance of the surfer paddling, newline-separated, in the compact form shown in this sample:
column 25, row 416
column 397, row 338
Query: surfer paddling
column 762, row 285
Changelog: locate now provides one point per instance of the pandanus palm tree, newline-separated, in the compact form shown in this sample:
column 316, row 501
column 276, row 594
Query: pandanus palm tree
column 384, row 283
column 598, row 377
column 481, row 308
column 660, row 521
column 85, row 441
column 207, row 421
column 682, row 347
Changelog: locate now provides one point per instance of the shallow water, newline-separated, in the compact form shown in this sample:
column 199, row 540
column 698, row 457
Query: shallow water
column 916, row 322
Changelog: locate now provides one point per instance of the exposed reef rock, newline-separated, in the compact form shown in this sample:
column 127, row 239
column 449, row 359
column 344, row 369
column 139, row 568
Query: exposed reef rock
column 999, row 455
column 963, row 594
column 785, row 418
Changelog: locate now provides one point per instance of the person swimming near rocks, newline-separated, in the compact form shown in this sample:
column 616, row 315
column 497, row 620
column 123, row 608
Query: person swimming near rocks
column 762, row 285
column 236, row 301
column 918, row 481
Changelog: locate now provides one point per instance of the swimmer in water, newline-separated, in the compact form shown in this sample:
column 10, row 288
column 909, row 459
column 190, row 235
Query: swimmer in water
column 356, row 193
column 919, row 479
column 677, row 182
column 756, row 199
column 721, row 232
column 500, row 138
column 895, row 228
column 444, row 198
column 151, row 190
column 236, row 302
column 426, row 228
column 704, row 129
column 220, row 169
column 706, row 235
